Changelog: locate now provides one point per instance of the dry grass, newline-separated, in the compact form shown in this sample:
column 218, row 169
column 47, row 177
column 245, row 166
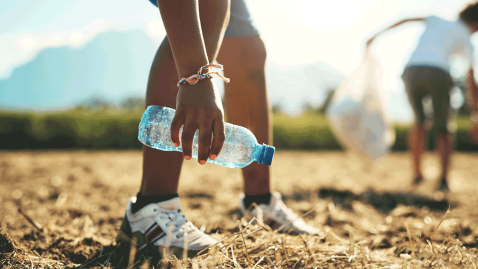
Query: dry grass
column 75, row 201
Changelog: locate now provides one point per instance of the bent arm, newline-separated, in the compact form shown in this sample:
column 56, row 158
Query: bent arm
column 369, row 42
column 183, row 27
column 198, row 107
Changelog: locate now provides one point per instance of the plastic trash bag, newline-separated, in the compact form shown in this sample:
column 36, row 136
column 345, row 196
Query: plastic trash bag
column 357, row 112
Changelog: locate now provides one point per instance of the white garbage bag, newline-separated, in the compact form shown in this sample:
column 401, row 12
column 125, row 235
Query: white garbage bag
column 357, row 112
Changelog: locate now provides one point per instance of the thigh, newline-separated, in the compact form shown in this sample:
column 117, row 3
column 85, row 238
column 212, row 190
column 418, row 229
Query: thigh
column 441, row 84
column 161, row 88
column 415, row 91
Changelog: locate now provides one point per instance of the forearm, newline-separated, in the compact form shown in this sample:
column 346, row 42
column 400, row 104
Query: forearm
column 395, row 25
column 198, row 107
column 214, row 21
column 183, row 27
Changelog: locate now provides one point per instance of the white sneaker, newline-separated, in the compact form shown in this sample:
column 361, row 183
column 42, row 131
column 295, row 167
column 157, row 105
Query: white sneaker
column 277, row 216
column 154, row 223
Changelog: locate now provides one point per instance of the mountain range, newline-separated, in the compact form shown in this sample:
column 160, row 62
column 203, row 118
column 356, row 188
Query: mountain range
column 115, row 65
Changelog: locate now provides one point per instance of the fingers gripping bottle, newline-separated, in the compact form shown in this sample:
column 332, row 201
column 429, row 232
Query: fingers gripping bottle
column 240, row 146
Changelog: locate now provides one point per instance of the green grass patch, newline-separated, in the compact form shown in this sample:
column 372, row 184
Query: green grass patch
column 116, row 129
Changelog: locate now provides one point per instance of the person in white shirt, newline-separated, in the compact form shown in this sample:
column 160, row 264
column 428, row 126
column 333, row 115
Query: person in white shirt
column 427, row 73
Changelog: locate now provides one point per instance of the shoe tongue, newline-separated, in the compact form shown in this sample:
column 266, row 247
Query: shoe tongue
column 171, row 204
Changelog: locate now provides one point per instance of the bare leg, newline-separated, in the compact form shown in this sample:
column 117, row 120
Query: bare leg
column 246, row 100
column 445, row 149
column 161, row 169
column 416, row 144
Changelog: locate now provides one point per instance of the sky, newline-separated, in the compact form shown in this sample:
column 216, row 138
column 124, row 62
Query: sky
column 295, row 32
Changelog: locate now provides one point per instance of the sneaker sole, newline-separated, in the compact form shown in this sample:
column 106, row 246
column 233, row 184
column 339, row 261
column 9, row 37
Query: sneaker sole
column 126, row 238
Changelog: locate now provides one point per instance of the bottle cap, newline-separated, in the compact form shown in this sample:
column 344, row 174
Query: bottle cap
column 267, row 154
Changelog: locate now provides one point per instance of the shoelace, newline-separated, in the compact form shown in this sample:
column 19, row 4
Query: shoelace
column 284, row 212
column 180, row 224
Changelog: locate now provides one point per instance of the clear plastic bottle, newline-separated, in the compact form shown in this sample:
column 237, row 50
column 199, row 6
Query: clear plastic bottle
column 240, row 147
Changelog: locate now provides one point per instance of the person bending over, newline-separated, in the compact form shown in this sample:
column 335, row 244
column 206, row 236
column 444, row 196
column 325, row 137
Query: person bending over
column 198, row 33
column 427, row 73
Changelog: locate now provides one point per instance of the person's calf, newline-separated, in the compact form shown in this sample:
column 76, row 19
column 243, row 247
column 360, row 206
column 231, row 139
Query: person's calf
column 444, row 145
column 416, row 144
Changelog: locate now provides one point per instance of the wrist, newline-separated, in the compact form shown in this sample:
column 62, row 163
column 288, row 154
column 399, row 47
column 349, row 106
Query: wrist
column 189, row 69
column 200, row 84
column 204, row 72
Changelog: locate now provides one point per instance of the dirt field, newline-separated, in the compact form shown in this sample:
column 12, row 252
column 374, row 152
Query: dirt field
column 78, row 200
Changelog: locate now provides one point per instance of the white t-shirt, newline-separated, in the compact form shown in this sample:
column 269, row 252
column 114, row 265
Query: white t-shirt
column 440, row 40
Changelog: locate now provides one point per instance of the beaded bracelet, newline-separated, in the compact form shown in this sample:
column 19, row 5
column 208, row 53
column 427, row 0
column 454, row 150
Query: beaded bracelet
column 192, row 80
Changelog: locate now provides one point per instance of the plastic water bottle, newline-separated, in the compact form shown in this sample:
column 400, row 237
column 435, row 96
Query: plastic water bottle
column 240, row 147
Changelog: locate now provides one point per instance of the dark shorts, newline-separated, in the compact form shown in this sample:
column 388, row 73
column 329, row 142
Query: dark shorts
column 240, row 22
column 422, row 81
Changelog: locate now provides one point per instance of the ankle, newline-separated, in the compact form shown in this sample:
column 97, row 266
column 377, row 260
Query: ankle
column 257, row 199
column 142, row 200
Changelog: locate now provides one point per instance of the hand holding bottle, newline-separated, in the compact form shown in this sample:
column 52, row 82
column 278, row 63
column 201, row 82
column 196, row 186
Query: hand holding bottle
column 199, row 107
column 239, row 150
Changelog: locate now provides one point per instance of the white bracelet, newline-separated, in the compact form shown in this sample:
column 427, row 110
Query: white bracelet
column 192, row 80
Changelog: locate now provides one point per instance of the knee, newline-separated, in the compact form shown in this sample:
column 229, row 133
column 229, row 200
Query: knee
column 253, row 63
column 244, row 57
column 251, row 55
column 246, row 51
column 440, row 128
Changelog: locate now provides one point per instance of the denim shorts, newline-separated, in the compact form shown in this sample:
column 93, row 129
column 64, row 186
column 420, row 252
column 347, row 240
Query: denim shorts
column 240, row 22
